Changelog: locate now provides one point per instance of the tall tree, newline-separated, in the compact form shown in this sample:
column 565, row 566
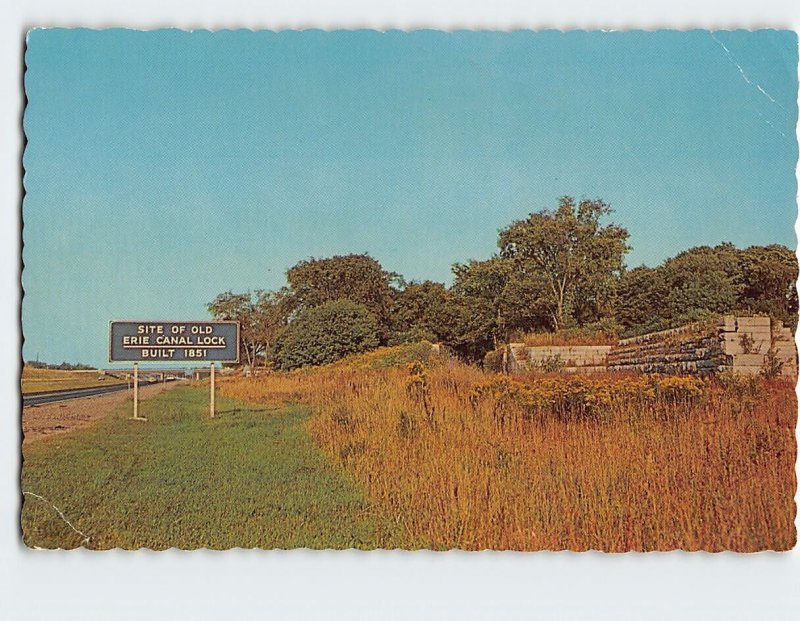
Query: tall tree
column 422, row 311
column 325, row 333
column 473, row 327
column 355, row 277
column 239, row 307
column 271, row 313
column 769, row 282
column 641, row 300
column 482, row 284
column 524, row 306
column 701, row 280
column 579, row 258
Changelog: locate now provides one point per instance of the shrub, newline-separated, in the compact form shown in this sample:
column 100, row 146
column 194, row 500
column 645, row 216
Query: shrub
column 326, row 333
column 773, row 366
column 549, row 364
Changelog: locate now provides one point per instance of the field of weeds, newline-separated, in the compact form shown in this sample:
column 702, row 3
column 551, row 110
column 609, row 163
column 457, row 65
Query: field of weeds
column 470, row 460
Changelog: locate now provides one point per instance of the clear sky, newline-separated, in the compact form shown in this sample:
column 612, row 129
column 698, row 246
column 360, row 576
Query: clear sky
column 165, row 167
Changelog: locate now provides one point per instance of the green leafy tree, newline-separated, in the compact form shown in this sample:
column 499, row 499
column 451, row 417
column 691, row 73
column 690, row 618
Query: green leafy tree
column 240, row 307
column 473, row 328
column 463, row 318
column 355, row 277
column 325, row 333
column 479, row 285
column 579, row 259
column 422, row 311
column 500, row 299
column 705, row 280
column 524, row 305
column 641, row 300
column 701, row 280
column 261, row 316
column 271, row 313
column 769, row 277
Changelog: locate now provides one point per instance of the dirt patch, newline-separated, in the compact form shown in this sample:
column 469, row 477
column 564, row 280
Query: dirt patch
column 39, row 421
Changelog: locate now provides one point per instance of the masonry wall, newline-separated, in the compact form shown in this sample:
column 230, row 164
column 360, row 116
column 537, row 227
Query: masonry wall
column 568, row 358
column 694, row 349
column 754, row 343
column 744, row 345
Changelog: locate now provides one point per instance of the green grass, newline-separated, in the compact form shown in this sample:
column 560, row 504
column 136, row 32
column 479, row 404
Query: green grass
column 244, row 479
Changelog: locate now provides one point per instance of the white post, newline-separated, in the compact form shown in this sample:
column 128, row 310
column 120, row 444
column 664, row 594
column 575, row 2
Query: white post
column 135, row 390
column 136, row 393
column 212, row 406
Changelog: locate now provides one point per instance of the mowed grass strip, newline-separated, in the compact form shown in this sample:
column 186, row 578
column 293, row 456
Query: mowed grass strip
column 244, row 479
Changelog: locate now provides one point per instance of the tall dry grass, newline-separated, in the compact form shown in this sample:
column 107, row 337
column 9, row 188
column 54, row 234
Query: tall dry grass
column 463, row 459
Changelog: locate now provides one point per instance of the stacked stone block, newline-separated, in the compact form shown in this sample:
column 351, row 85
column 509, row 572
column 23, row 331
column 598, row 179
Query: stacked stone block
column 755, row 343
column 745, row 345
column 567, row 358
column 694, row 349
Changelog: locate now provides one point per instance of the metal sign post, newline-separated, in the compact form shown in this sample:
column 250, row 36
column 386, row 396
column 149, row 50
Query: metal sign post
column 136, row 392
column 213, row 394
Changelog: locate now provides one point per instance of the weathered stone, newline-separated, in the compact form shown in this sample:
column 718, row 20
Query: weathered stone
column 755, row 360
column 747, row 323
column 736, row 343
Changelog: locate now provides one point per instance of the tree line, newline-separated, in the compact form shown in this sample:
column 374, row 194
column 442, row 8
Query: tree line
column 558, row 270
column 64, row 366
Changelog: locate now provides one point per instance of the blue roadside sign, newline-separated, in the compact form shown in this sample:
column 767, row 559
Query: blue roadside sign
column 181, row 341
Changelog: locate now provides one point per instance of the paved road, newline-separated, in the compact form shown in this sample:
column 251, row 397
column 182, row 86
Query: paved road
column 78, row 393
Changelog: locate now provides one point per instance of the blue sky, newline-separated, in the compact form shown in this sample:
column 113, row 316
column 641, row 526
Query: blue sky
column 165, row 167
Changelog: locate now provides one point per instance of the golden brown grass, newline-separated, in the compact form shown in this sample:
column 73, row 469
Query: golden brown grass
column 465, row 459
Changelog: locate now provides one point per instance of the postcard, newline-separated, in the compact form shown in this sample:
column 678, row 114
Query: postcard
column 409, row 290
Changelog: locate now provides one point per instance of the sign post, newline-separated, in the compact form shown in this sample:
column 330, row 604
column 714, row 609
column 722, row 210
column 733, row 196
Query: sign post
column 136, row 392
column 213, row 394
column 173, row 341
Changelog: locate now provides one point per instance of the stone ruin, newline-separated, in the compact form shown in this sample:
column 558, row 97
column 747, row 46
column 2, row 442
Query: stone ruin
column 568, row 358
column 741, row 344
